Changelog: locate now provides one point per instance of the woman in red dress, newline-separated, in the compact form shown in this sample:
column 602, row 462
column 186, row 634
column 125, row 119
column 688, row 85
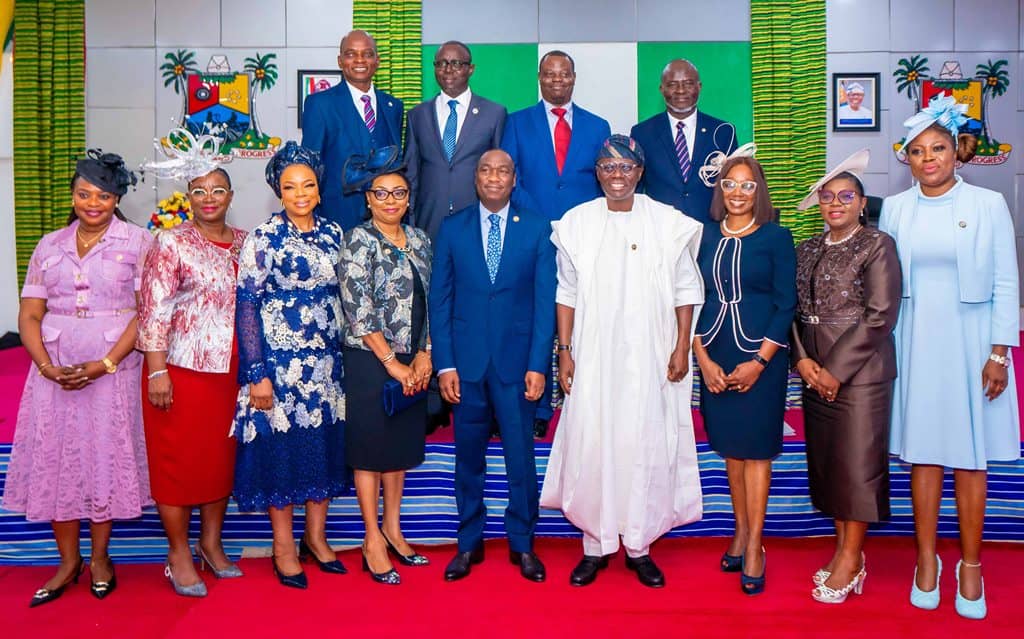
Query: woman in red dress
column 186, row 329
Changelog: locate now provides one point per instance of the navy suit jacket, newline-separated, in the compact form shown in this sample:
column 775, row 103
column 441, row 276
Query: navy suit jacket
column 440, row 187
column 539, row 187
column 510, row 323
column 663, row 180
column 333, row 127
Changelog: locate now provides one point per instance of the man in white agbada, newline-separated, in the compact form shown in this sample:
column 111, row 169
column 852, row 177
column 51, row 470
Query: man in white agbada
column 624, row 461
column 854, row 112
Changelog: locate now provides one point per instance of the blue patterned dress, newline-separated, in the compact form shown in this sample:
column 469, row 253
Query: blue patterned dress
column 288, row 315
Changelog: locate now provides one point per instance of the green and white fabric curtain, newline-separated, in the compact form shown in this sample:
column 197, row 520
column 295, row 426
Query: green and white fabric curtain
column 397, row 26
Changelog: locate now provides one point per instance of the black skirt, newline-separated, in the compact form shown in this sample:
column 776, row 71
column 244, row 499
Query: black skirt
column 374, row 441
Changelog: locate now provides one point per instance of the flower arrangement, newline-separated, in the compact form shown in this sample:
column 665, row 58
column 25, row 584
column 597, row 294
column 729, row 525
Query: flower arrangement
column 170, row 212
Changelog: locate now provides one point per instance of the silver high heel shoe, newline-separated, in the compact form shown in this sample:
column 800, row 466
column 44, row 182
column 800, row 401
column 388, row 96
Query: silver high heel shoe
column 224, row 573
column 195, row 590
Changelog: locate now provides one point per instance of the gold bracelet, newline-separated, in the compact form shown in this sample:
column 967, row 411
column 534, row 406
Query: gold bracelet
column 43, row 367
column 387, row 358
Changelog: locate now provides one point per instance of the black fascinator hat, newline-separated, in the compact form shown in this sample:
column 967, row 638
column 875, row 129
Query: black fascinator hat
column 107, row 171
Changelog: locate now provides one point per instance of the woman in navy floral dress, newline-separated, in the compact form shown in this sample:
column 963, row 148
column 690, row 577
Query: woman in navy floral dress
column 290, row 416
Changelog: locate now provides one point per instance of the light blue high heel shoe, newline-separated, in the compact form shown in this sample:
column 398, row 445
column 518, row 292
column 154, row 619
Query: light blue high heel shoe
column 926, row 600
column 976, row 609
column 195, row 590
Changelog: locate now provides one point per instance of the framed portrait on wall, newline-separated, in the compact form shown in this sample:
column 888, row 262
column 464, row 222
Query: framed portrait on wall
column 856, row 101
column 313, row 81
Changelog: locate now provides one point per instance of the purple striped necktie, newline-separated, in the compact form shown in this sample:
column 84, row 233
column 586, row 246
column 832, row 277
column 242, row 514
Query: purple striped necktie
column 682, row 151
column 369, row 117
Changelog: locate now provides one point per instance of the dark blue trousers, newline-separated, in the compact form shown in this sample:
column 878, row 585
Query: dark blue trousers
column 472, row 416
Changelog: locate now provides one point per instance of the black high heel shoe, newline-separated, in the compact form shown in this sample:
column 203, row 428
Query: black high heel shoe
column 44, row 595
column 414, row 559
column 101, row 589
column 754, row 585
column 389, row 578
column 334, row 566
column 292, row 581
column 731, row 563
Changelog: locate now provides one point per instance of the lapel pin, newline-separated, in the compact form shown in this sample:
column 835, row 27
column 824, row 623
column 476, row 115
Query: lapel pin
column 633, row 247
column 963, row 224
column 703, row 130
column 515, row 218
column 387, row 251
column 475, row 110
column 390, row 103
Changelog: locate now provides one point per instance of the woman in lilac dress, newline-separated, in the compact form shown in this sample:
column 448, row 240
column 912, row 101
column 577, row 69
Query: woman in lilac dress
column 79, row 451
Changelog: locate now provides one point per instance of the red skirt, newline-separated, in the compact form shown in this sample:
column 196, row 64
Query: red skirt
column 191, row 456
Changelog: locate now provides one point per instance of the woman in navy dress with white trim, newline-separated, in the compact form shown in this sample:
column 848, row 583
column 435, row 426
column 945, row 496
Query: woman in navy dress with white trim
column 749, row 267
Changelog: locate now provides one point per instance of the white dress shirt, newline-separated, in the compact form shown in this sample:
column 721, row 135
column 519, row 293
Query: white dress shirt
column 461, row 111
column 553, row 119
column 689, row 131
column 357, row 99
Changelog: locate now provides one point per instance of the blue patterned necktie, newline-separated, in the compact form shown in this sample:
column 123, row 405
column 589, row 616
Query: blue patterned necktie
column 493, row 245
column 682, row 151
column 448, row 139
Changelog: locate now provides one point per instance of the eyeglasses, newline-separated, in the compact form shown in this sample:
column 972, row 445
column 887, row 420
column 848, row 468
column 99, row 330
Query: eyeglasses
column 399, row 193
column 729, row 186
column 609, row 168
column 217, row 192
column 457, row 65
column 845, row 196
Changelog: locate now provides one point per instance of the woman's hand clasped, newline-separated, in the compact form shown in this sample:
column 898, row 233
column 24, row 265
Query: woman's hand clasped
column 76, row 377
column 161, row 391
column 405, row 375
column 422, row 369
column 261, row 394
column 744, row 376
column 714, row 377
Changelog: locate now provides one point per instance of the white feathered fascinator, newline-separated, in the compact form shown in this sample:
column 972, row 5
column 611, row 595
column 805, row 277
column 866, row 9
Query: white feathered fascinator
column 188, row 156
column 716, row 160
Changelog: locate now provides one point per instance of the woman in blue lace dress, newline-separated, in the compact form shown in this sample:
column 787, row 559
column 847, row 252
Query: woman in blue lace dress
column 290, row 416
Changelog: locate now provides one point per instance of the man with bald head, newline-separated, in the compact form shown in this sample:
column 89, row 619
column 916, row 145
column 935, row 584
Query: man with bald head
column 350, row 119
column 678, row 142
column 446, row 136
column 492, row 322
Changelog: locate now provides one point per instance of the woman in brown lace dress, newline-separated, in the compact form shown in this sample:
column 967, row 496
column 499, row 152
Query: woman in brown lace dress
column 848, row 286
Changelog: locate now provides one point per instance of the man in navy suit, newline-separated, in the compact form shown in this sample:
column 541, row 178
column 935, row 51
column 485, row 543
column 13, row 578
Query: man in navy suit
column 553, row 145
column 678, row 142
column 492, row 322
column 445, row 138
column 350, row 119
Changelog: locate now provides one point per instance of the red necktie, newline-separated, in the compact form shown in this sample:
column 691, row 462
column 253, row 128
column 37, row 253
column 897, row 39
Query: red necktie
column 562, row 135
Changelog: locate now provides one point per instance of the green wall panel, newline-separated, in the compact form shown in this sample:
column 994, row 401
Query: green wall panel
column 505, row 73
column 724, row 74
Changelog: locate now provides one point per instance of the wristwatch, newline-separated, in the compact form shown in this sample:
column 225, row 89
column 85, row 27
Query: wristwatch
column 760, row 360
column 110, row 365
column 1002, row 360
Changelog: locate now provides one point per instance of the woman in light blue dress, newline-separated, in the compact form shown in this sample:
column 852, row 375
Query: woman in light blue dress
column 954, row 404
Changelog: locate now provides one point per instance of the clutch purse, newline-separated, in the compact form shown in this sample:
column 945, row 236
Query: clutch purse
column 395, row 401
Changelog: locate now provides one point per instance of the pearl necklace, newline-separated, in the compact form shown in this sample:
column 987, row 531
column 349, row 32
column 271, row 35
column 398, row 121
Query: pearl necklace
column 727, row 231
column 830, row 242
column 394, row 240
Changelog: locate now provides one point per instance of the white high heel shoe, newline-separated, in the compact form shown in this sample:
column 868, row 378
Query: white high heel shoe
column 827, row 595
column 822, row 575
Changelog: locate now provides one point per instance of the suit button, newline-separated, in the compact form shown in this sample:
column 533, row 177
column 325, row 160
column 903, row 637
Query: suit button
column 560, row 186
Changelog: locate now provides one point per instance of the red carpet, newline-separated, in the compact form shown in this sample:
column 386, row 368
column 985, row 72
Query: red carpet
column 494, row 601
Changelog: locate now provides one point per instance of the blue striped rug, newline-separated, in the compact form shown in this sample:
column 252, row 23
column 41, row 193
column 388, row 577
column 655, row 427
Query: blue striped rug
column 429, row 515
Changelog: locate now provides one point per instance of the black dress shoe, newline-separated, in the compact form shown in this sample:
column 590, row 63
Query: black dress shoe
column 540, row 428
column 292, row 581
column 646, row 571
column 100, row 589
column 585, row 572
column 44, row 595
column 529, row 564
column 459, row 566
column 333, row 567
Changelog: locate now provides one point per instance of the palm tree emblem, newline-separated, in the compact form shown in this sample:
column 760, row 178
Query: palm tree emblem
column 994, row 82
column 910, row 74
column 175, row 71
column 264, row 74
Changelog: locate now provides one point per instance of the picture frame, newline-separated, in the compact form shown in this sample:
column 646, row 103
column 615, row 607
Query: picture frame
column 850, row 113
column 312, row 81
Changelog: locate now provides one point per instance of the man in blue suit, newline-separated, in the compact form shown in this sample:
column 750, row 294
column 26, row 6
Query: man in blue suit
column 446, row 136
column 350, row 119
column 492, row 322
column 553, row 145
column 678, row 142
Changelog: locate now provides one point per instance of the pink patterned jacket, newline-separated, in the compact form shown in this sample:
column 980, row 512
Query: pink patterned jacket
column 187, row 305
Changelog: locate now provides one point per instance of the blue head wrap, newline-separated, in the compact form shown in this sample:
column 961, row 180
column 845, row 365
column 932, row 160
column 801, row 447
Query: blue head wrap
column 107, row 171
column 943, row 110
column 361, row 170
column 622, row 146
column 289, row 154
